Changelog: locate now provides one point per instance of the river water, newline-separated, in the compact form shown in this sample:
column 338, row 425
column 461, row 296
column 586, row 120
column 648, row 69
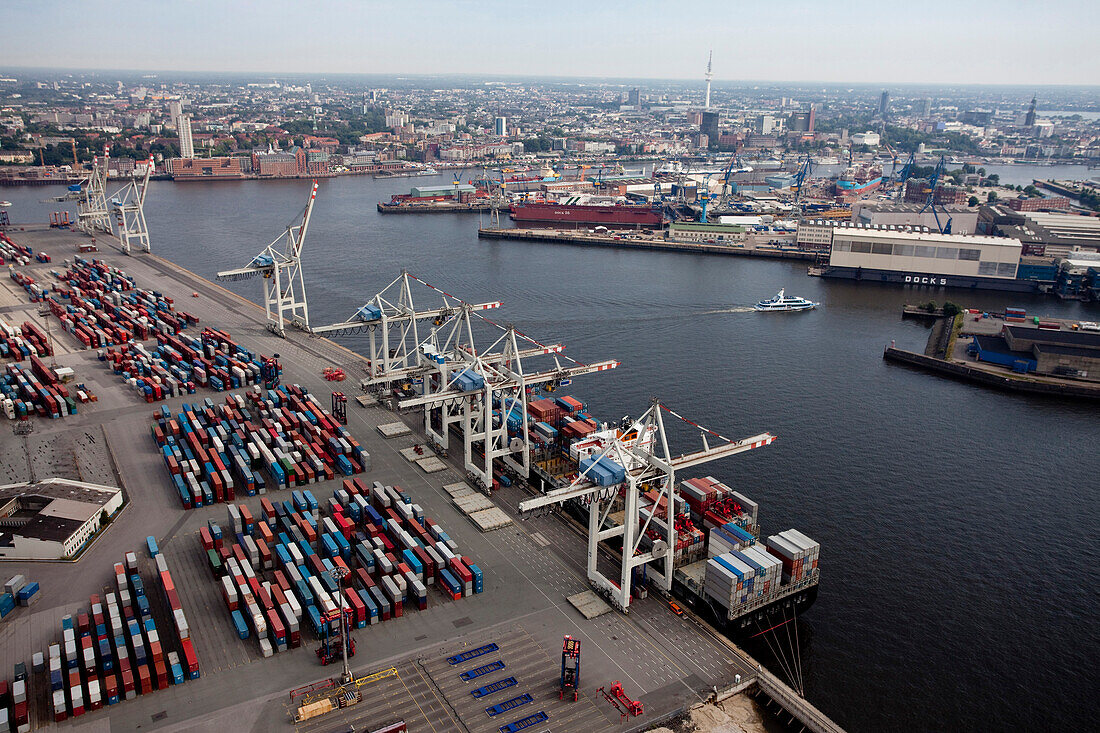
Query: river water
column 959, row 556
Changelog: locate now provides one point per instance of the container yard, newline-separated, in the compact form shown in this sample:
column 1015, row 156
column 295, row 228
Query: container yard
column 268, row 542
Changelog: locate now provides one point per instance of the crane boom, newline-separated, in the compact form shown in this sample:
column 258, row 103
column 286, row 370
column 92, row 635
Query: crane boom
column 405, row 317
column 688, row 460
column 528, row 380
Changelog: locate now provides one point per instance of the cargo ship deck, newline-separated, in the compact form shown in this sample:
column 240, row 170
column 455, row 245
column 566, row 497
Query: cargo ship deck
column 530, row 567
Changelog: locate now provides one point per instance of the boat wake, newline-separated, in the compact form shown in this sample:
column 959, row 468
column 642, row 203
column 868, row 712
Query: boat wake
column 734, row 309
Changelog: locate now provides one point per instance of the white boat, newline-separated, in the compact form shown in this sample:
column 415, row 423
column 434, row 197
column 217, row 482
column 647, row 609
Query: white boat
column 782, row 302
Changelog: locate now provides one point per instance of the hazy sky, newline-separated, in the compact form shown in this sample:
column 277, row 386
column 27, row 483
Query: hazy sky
column 958, row 41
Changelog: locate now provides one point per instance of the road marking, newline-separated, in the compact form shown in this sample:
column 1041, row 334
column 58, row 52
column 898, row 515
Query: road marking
column 426, row 719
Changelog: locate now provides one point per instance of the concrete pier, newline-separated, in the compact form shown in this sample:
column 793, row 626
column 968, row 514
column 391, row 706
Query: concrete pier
column 645, row 241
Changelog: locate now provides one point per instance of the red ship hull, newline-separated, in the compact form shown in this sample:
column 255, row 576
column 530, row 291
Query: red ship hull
column 574, row 215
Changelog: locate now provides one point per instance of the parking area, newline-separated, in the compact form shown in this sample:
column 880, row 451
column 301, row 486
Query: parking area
column 428, row 692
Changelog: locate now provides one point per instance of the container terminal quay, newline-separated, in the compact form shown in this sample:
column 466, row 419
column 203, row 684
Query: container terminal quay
column 219, row 424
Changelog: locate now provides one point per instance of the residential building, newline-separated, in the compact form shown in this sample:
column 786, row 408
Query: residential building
column 187, row 145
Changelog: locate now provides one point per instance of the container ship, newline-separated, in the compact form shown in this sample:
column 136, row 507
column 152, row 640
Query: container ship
column 743, row 583
column 581, row 211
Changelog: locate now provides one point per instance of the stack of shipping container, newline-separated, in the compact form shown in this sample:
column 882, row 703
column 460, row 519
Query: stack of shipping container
column 12, row 253
column 106, row 308
column 35, row 290
column 18, row 591
column 23, row 342
column 39, row 392
column 115, row 650
column 278, row 575
column 178, row 365
column 272, row 440
column 798, row 553
column 740, row 569
column 14, row 707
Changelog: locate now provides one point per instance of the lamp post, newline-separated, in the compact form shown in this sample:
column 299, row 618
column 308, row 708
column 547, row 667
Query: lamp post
column 338, row 574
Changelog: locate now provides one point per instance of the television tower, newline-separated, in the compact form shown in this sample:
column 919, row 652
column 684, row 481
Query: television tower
column 708, row 76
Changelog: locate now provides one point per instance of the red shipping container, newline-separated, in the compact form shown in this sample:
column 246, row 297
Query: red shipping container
column 145, row 679
column 161, row 670
column 191, row 660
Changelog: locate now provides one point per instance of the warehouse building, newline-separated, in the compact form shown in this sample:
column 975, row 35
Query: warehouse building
column 921, row 257
column 1055, row 352
column 1042, row 233
column 54, row 518
column 964, row 219
column 706, row 233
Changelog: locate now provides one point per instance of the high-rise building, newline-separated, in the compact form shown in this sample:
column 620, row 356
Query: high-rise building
column 926, row 108
column 884, row 103
column 709, row 125
column 500, row 126
column 765, row 124
column 634, row 99
column 187, row 146
column 802, row 121
column 175, row 109
column 1029, row 120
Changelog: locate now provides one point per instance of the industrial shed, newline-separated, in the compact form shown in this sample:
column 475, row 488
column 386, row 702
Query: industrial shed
column 54, row 518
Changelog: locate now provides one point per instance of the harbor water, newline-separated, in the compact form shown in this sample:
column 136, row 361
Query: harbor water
column 959, row 563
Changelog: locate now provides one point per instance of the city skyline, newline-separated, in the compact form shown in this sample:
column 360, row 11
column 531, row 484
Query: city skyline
column 799, row 41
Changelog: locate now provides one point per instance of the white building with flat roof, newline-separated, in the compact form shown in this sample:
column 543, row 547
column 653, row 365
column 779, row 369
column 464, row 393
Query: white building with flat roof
column 919, row 256
column 54, row 518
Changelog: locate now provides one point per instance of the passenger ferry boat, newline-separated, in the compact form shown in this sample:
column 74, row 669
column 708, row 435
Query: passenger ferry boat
column 782, row 302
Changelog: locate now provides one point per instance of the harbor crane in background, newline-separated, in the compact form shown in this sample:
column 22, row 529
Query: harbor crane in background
column 280, row 266
column 735, row 166
column 930, row 201
column 129, row 206
column 706, row 197
column 805, row 168
column 899, row 179
column 92, row 212
column 642, row 453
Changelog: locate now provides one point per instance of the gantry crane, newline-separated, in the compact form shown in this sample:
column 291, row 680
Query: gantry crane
column 457, row 382
column 638, row 459
column 481, row 380
column 391, row 320
column 92, row 212
column 281, row 269
column 129, row 206
column 930, row 201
